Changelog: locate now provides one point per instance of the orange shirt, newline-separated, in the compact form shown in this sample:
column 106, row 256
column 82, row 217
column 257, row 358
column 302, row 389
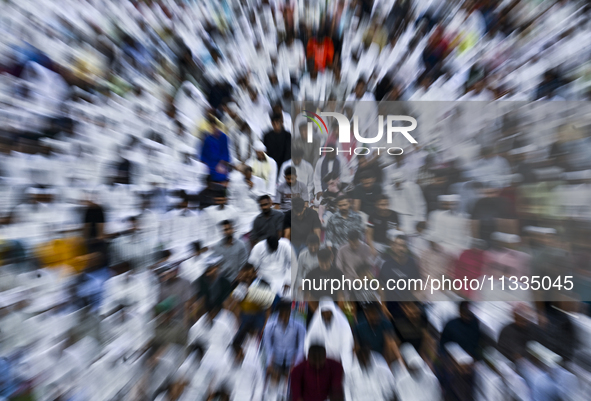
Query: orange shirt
column 322, row 51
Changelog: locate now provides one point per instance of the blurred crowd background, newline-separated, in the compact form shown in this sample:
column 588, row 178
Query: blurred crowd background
column 162, row 197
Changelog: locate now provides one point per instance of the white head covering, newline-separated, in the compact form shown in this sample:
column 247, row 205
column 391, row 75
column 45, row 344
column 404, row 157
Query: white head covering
column 259, row 147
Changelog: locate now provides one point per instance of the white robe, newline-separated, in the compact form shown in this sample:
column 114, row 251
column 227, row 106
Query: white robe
column 337, row 337
column 375, row 383
column 271, row 178
column 217, row 336
column 274, row 268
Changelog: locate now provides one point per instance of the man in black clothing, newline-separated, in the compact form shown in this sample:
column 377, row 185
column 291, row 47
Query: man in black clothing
column 211, row 289
column 269, row 222
column 305, row 222
column 325, row 271
column 398, row 264
column 366, row 193
column 278, row 141
column 378, row 224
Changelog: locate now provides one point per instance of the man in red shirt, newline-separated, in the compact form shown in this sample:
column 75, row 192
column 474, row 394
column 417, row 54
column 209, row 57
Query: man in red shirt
column 317, row 378
column 321, row 50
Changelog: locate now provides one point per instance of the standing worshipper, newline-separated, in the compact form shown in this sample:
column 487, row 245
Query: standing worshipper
column 416, row 382
column 215, row 153
column 290, row 189
column 272, row 261
column 283, row 341
column 264, row 167
column 340, row 224
column 303, row 170
column 233, row 251
column 330, row 326
column 369, row 378
column 268, row 223
column 278, row 141
column 317, row 378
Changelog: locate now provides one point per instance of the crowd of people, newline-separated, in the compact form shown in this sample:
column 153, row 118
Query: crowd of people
column 164, row 199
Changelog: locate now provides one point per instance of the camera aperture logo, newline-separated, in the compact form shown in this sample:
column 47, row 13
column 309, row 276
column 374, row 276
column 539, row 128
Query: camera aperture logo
column 344, row 132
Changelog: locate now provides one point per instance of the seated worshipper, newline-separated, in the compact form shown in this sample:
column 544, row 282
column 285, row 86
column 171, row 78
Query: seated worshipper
column 399, row 263
column 376, row 332
column 278, row 141
column 268, row 223
column 305, row 222
column 353, row 255
column 340, row 224
column 214, row 215
column 193, row 267
column 369, row 378
column 464, row 331
column 415, row 381
column 366, row 194
column 458, row 382
column 315, row 285
column 214, row 331
column 303, row 170
column 290, row 189
column 283, row 341
column 318, row 378
column 272, row 261
column 251, row 299
column 264, row 167
column 513, row 338
column 169, row 330
column 307, row 259
column 174, row 287
column 330, row 326
column 215, row 153
column 378, row 224
column 211, row 289
column 233, row 251
column 205, row 198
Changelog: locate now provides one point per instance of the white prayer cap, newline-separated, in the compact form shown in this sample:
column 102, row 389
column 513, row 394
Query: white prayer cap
column 11, row 297
column 397, row 176
column 233, row 106
column 505, row 238
column 539, row 230
column 259, row 147
column 184, row 148
column 458, row 354
column 411, row 356
column 33, row 191
column 543, row 354
column 393, row 234
column 448, row 198
column 213, row 260
column 156, row 179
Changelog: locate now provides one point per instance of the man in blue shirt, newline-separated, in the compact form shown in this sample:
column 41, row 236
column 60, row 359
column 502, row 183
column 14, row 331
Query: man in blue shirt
column 283, row 340
column 215, row 154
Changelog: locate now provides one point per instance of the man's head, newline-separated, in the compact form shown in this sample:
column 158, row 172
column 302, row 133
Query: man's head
column 213, row 266
column 197, row 248
column 277, row 122
column 296, row 156
column 382, row 204
column 465, row 312
column 326, row 315
column 313, row 243
column 290, row 176
column 367, row 179
column 353, row 237
column 360, row 88
column 324, row 258
column 372, row 314
column 237, row 351
column 135, row 223
column 265, row 204
column 399, row 246
column 298, row 207
column 273, row 243
column 317, row 356
column 260, row 150
column 284, row 312
column 227, row 228
column 247, row 172
column 343, row 205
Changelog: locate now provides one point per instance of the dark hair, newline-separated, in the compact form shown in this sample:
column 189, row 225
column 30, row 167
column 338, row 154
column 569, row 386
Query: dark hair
column 247, row 168
column 289, row 171
column 264, row 197
column 226, row 222
column 220, row 193
column 372, row 307
column 313, row 239
column 196, row 246
column 353, row 235
column 297, row 153
column 365, row 175
column 277, row 117
column 284, row 307
column 317, row 350
column 164, row 254
column 324, row 255
column 273, row 242
column 297, row 204
column 341, row 198
column 382, row 197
